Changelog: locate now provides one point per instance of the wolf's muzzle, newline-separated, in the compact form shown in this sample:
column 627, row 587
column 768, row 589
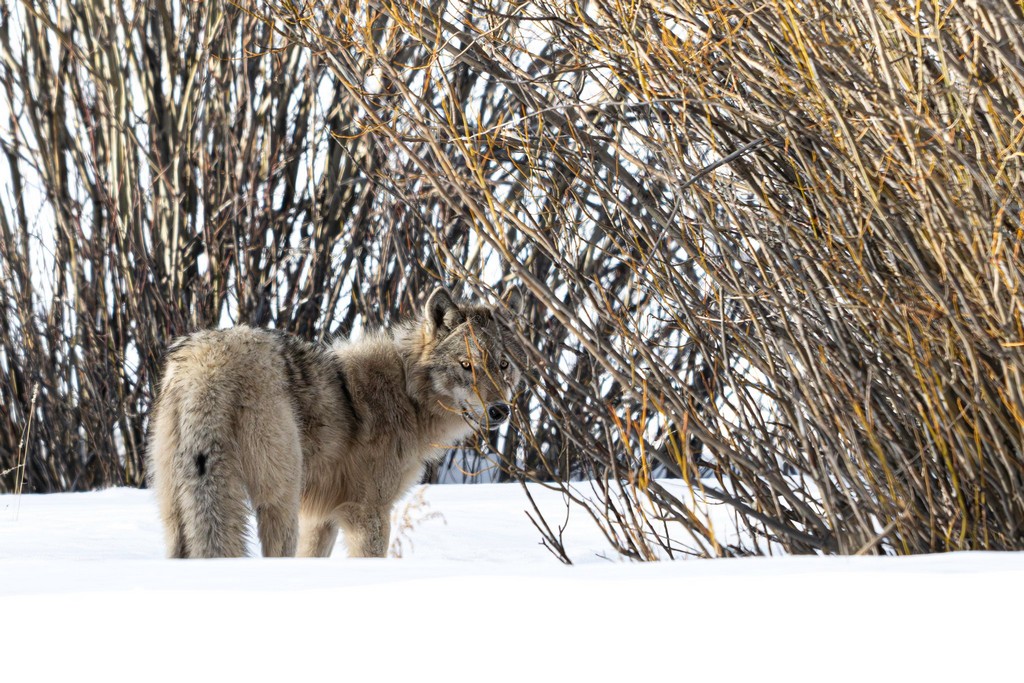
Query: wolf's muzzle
column 498, row 413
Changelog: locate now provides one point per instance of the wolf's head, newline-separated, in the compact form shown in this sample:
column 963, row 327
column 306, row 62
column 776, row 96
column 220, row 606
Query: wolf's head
column 472, row 360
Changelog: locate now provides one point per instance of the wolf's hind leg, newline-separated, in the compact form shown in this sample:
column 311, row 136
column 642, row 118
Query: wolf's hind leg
column 177, row 548
column 171, row 514
column 317, row 539
column 163, row 443
column 277, row 509
column 174, row 524
column 269, row 437
column 278, row 529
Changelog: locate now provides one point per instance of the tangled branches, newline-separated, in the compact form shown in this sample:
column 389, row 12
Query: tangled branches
column 773, row 249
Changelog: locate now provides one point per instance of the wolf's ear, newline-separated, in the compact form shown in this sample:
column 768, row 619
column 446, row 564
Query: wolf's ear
column 514, row 300
column 441, row 312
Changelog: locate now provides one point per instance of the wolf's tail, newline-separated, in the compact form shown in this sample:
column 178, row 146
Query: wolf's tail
column 198, row 482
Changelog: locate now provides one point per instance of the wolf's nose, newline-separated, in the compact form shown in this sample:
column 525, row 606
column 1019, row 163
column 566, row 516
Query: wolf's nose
column 498, row 412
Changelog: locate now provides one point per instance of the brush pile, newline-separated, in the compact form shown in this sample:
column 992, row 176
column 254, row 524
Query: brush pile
column 772, row 248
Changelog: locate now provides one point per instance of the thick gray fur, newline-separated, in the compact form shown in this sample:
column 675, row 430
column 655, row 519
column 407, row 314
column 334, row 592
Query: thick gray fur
column 319, row 438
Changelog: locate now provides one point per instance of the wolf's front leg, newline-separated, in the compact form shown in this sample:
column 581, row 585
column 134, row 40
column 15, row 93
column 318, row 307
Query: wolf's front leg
column 367, row 530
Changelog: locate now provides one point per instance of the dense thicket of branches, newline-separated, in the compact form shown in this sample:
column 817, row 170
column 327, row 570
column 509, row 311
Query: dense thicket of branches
column 772, row 248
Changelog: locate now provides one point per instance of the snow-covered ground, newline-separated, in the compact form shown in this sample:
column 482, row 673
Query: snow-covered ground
column 86, row 595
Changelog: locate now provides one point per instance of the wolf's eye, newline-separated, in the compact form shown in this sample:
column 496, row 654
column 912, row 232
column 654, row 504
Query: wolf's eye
column 465, row 364
column 503, row 364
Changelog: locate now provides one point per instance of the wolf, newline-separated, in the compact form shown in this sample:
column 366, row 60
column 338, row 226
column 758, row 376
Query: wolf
column 317, row 438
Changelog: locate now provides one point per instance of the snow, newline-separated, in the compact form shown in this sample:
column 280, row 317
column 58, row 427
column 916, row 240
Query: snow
column 85, row 594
